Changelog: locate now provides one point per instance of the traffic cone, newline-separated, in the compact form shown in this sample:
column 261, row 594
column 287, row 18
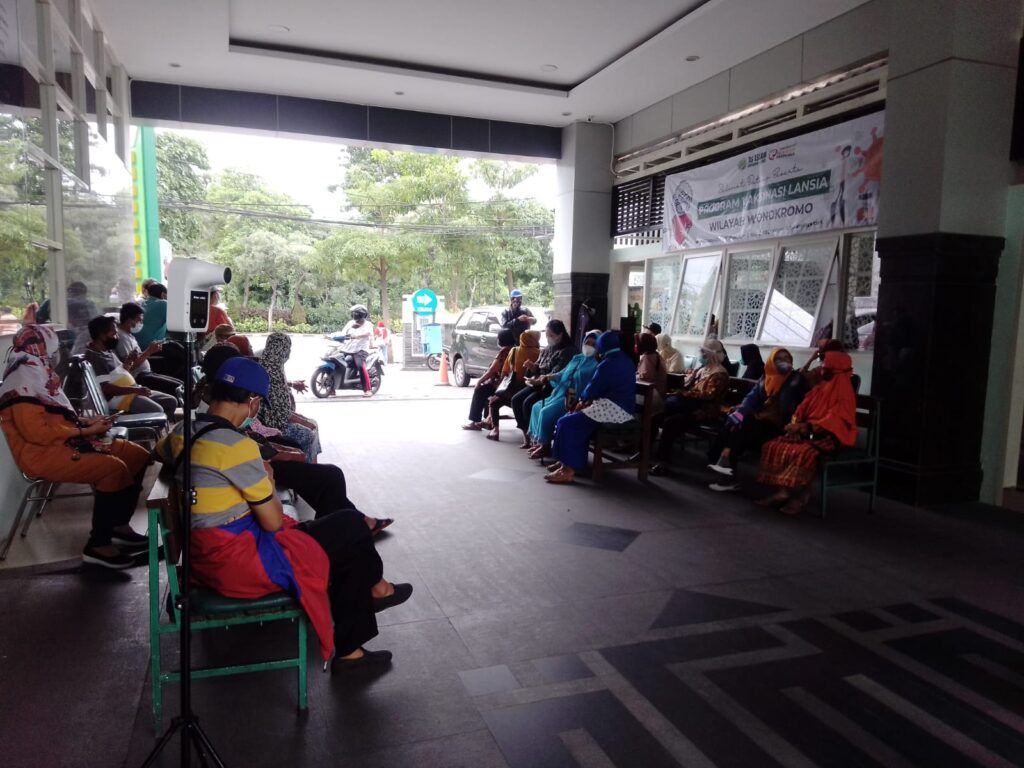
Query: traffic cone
column 444, row 370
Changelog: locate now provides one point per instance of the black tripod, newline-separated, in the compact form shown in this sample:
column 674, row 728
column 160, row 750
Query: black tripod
column 186, row 723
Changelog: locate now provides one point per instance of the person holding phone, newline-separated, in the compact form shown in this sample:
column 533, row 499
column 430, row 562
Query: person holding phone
column 134, row 358
column 50, row 441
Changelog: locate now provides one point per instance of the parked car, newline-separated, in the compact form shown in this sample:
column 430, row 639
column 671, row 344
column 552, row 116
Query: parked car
column 474, row 341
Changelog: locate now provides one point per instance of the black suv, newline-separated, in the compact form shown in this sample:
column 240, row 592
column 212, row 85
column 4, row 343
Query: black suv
column 474, row 341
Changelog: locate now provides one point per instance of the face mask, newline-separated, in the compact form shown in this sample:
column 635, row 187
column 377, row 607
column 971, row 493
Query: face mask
column 783, row 367
column 110, row 343
column 137, row 328
column 552, row 340
column 247, row 423
column 589, row 351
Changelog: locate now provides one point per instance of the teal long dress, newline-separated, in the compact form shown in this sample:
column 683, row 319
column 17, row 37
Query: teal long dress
column 577, row 374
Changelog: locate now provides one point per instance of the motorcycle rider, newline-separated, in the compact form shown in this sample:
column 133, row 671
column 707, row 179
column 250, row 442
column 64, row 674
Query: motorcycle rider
column 359, row 342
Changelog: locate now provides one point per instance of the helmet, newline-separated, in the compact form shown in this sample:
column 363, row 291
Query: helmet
column 515, row 293
column 359, row 312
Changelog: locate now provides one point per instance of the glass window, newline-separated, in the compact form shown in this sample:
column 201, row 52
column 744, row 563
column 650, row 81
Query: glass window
column 66, row 141
column 98, row 237
column 802, row 274
column 23, row 265
column 746, row 287
column 861, row 292
column 826, row 326
column 62, row 62
column 661, row 291
column 696, row 295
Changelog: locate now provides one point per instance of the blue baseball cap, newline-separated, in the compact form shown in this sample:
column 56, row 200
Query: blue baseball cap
column 515, row 293
column 245, row 374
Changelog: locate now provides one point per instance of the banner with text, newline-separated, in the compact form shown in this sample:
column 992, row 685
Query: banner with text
column 823, row 180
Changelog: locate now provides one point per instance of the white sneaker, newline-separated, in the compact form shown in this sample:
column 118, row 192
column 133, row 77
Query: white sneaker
column 727, row 471
column 724, row 487
column 367, row 394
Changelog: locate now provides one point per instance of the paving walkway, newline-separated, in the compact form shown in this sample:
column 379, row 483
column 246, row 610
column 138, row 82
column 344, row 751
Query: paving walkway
column 623, row 625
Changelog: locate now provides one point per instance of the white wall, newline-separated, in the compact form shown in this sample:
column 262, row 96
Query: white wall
column 854, row 37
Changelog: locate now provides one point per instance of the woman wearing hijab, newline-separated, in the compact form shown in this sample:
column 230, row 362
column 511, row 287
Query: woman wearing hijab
column 673, row 357
column 566, row 386
column 279, row 413
column 765, row 410
column 651, row 368
column 824, row 421
column 824, row 345
column 513, row 377
column 553, row 358
column 750, row 354
column 609, row 398
column 698, row 401
column 486, row 384
column 50, row 441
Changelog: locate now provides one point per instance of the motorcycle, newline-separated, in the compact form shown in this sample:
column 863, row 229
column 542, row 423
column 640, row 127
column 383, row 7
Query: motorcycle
column 339, row 371
column 434, row 362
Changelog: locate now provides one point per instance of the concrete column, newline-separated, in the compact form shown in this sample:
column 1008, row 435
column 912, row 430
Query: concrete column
column 949, row 107
column 583, row 222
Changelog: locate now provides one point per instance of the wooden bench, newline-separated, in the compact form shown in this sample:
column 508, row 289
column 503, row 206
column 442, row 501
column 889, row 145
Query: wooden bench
column 210, row 610
column 626, row 446
column 735, row 391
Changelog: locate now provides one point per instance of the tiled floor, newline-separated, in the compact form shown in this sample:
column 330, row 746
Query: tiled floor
column 621, row 625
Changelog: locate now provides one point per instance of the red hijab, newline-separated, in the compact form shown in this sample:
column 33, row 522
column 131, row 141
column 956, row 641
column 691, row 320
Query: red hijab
column 832, row 404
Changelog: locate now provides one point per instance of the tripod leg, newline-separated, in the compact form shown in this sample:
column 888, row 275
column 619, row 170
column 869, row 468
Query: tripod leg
column 203, row 744
column 175, row 726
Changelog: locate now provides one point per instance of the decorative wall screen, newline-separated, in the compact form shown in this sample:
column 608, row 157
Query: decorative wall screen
column 746, row 286
column 795, row 297
column 696, row 295
column 662, row 282
column 861, row 293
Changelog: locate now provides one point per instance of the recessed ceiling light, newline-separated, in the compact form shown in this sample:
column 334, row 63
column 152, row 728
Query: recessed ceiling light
column 566, row 114
column 692, row 58
column 279, row 28
column 399, row 93
column 548, row 67
column 174, row 65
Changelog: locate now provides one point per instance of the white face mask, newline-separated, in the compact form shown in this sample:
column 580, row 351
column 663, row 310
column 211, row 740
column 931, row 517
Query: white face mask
column 589, row 351
column 137, row 328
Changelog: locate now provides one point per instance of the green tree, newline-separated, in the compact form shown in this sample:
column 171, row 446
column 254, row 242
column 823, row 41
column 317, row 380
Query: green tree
column 182, row 177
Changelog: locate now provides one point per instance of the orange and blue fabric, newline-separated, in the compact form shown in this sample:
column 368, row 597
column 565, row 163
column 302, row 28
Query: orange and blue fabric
column 232, row 553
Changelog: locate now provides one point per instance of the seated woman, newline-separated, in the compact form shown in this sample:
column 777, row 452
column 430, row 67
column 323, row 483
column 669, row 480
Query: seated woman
column 279, row 413
column 698, row 401
column 824, row 421
column 48, row 440
column 513, row 378
column 812, row 375
column 244, row 546
column 486, row 384
column 673, row 357
column 759, row 418
column 566, row 386
column 750, row 355
column 651, row 367
column 553, row 358
column 609, row 398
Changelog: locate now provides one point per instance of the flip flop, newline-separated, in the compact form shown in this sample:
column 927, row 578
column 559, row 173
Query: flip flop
column 560, row 478
column 493, row 435
column 381, row 524
column 475, row 426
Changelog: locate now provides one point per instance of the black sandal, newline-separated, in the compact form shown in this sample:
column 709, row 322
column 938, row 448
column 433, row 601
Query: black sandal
column 381, row 524
column 369, row 659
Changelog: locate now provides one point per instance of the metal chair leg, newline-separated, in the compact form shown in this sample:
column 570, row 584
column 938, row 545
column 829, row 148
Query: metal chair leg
column 48, row 490
column 17, row 518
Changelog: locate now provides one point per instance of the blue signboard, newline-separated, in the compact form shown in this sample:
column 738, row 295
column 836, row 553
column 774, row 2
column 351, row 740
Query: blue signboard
column 424, row 302
column 431, row 337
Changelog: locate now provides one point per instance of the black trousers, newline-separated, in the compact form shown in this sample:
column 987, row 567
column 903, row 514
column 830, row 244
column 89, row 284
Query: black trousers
column 112, row 510
column 481, row 393
column 750, row 435
column 355, row 568
column 322, row 486
column 172, row 361
column 675, row 424
column 158, row 383
column 523, row 402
